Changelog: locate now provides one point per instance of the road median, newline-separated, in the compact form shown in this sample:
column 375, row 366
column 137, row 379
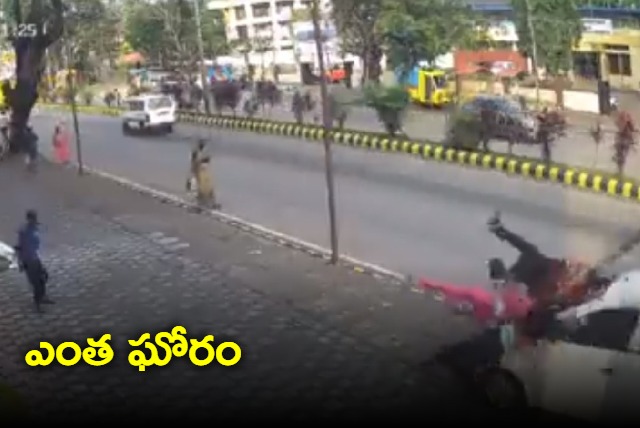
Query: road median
column 575, row 177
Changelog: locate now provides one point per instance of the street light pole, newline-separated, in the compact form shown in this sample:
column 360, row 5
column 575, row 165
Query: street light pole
column 74, row 108
column 203, row 67
column 534, row 50
column 327, row 125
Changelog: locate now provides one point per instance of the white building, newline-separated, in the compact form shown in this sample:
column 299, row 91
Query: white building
column 270, row 23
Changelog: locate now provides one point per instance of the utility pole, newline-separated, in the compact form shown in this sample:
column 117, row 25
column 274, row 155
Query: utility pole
column 72, row 100
column 203, row 68
column 534, row 50
column 327, row 125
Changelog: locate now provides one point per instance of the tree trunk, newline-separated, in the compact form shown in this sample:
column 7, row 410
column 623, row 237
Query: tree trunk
column 22, row 98
column 30, row 53
column 373, row 64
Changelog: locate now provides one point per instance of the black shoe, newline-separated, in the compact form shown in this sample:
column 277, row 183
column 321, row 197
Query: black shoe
column 47, row 301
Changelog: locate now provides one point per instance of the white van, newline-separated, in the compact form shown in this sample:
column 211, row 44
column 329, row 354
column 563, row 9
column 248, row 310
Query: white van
column 149, row 112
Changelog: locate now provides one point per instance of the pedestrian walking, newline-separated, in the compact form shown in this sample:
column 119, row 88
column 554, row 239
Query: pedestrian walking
column 196, row 154
column 200, row 176
column 31, row 143
column 28, row 253
column 60, row 142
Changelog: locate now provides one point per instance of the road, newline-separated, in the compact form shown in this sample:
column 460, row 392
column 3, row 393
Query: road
column 577, row 148
column 408, row 215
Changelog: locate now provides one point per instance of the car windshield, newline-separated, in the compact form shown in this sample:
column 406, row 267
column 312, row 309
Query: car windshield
column 509, row 106
column 159, row 102
column 136, row 105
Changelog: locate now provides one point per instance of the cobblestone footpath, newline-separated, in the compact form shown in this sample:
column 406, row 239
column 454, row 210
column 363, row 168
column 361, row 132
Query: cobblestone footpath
column 318, row 341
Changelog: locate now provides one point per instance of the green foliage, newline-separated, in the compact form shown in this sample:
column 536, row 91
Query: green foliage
column 417, row 30
column 391, row 97
column 557, row 29
column 357, row 23
column 165, row 30
column 92, row 29
column 390, row 104
column 464, row 131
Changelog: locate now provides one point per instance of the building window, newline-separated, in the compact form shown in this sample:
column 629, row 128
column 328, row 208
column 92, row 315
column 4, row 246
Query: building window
column 619, row 64
column 263, row 30
column 240, row 12
column 260, row 10
column 243, row 33
column 283, row 7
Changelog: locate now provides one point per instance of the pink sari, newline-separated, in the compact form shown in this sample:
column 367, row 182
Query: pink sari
column 61, row 146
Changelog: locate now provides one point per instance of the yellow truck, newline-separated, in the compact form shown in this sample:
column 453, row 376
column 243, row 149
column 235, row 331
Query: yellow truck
column 427, row 87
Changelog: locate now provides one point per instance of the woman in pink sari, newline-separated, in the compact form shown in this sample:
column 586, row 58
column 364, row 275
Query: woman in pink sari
column 60, row 143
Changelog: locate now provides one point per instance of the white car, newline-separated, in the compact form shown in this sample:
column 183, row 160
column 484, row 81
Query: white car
column 587, row 367
column 8, row 258
column 149, row 112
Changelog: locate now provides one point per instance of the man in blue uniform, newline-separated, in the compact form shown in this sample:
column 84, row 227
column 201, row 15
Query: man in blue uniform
column 27, row 250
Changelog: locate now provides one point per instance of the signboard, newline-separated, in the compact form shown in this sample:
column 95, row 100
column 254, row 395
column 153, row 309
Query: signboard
column 305, row 45
column 503, row 31
column 594, row 25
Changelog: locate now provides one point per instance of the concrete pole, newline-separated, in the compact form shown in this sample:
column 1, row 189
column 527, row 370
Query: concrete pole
column 327, row 125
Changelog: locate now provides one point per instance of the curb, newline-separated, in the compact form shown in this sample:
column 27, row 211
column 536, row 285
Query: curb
column 255, row 229
column 577, row 178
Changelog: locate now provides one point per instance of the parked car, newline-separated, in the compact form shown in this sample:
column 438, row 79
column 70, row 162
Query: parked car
column 511, row 120
column 149, row 112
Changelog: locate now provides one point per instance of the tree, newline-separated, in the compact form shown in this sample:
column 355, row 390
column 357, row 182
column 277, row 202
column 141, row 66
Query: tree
column 164, row 31
column 93, row 29
column 557, row 28
column 422, row 30
column 357, row 25
column 33, row 26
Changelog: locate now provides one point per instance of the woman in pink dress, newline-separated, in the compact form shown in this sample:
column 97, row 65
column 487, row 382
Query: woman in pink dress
column 61, row 144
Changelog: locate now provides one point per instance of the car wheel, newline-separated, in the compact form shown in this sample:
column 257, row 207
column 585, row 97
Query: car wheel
column 502, row 390
column 169, row 128
column 125, row 128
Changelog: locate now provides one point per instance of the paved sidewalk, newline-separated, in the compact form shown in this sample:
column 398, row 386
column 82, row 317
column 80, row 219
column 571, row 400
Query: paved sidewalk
column 317, row 340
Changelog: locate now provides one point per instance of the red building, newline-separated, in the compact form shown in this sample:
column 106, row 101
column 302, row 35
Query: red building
column 500, row 62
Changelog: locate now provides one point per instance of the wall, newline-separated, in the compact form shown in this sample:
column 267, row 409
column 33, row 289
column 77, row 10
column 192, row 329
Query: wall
column 573, row 100
column 466, row 62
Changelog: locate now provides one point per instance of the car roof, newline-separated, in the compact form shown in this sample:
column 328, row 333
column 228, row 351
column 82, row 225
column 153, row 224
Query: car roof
column 145, row 97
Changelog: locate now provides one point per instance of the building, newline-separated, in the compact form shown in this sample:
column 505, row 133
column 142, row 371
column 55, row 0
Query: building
column 266, row 26
column 610, row 43
column 613, row 56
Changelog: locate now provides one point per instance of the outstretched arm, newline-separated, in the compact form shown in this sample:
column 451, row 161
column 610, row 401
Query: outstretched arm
column 515, row 240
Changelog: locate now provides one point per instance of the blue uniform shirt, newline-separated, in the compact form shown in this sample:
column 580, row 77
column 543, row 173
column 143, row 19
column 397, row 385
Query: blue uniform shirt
column 29, row 243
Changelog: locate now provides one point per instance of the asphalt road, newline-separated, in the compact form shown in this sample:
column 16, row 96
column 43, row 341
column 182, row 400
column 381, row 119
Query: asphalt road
column 405, row 214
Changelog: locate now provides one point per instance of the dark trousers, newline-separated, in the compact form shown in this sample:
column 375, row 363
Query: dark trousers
column 37, row 276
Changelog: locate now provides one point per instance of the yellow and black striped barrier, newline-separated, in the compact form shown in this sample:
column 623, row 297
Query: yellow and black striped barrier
column 579, row 178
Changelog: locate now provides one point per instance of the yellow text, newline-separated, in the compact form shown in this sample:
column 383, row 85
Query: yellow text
column 97, row 348
column 175, row 344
